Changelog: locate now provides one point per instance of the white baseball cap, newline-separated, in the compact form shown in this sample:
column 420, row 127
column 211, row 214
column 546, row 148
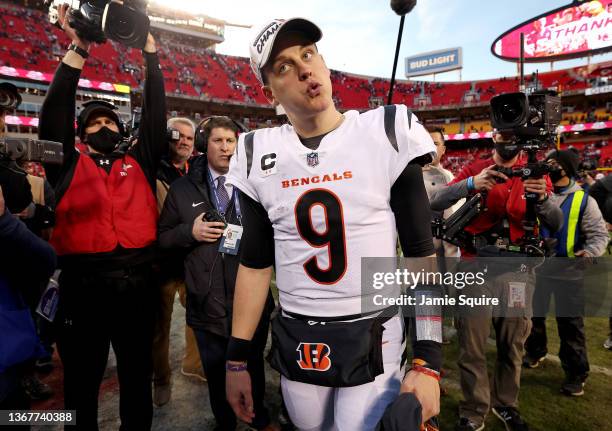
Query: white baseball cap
column 261, row 46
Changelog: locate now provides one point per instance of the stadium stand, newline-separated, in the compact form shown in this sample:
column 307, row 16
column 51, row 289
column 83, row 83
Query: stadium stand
column 30, row 42
column 192, row 71
column 598, row 150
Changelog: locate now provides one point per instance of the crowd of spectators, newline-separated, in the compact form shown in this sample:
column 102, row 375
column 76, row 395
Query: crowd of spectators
column 30, row 42
column 598, row 152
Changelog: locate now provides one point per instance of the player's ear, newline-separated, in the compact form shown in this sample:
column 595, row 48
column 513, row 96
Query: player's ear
column 267, row 92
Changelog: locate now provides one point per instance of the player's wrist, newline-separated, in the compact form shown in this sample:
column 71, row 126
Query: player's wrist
column 236, row 366
column 238, row 350
column 422, row 367
column 423, row 363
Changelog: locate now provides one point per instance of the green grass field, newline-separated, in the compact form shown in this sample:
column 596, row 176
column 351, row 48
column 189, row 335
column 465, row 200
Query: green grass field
column 541, row 403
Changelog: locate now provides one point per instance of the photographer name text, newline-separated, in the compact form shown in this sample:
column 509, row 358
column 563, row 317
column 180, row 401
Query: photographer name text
column 404, row 300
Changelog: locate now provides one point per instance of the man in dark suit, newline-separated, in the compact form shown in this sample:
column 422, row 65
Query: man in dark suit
column 202, row 214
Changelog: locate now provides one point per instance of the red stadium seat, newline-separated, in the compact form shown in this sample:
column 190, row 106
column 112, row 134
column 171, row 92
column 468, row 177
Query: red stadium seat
column 28, row 41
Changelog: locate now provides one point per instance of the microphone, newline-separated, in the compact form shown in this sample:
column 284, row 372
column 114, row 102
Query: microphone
column 402, row 7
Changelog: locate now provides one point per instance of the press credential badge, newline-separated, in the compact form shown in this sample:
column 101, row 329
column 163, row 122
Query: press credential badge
column 230, row 241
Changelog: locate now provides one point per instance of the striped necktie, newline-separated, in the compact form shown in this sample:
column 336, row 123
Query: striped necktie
column 222, row 194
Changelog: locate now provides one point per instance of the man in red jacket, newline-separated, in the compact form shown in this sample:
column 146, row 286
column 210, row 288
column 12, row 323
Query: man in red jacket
column 105, row 238
column 505, row 211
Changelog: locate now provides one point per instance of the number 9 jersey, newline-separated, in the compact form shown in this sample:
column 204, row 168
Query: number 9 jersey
column 329, row 207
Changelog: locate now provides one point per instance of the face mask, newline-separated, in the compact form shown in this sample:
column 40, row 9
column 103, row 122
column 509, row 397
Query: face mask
column 506, row 152
column 104, row 140
column 556, row 175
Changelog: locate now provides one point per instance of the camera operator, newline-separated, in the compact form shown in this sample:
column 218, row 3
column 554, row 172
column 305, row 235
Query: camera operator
column 601, row 191
column 20, row 252
column 505, row 211
column 584, row 234
column 17, row 189
column 38, row 214
column 15, row 185
column 171, row 276
column 104, row 236
column 210, row 272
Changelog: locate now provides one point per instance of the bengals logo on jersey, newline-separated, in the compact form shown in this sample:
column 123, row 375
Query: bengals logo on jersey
column 314, row 356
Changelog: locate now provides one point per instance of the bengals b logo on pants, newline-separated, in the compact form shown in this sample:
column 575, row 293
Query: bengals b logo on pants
column 314, row 356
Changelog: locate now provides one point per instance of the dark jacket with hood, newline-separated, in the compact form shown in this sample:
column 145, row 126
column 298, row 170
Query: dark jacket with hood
column 210, row 276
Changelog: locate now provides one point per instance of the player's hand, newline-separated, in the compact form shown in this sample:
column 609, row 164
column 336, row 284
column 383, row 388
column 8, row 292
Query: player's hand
column 2, row 204
column 239, row 394
column 486, row 179
column 536, row 185
column 206, row 231
column 63, row 14
column 427, row 391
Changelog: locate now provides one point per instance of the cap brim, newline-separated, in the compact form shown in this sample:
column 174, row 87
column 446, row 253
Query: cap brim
column 301, row 25
column 102, row 111
column 98, row 112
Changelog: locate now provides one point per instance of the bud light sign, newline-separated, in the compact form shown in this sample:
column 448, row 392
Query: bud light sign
column 434, row 62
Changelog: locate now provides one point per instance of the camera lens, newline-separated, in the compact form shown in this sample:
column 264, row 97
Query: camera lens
column 511, row 111
column 8, row 101
column 123, row 27
column 126, row 25
column 5, row 100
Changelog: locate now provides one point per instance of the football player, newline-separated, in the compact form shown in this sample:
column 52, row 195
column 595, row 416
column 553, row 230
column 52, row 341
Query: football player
column 318, row 196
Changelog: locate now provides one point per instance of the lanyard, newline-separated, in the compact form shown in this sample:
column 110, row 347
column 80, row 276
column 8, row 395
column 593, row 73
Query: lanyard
column 233, row 199
column 186, row 169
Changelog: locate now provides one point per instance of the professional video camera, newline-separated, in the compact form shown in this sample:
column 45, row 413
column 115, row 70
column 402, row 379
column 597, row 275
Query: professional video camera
column 96, row 20
column 528, row 120
column 35, row 150
column 526, row 123
column 13, row 179
column 15, row 149
column 529, row 123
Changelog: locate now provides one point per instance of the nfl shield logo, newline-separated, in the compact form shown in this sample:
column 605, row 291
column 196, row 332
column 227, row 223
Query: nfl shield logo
column 312, row 159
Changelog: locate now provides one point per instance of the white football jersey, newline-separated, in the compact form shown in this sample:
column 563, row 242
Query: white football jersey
column 329, row 207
